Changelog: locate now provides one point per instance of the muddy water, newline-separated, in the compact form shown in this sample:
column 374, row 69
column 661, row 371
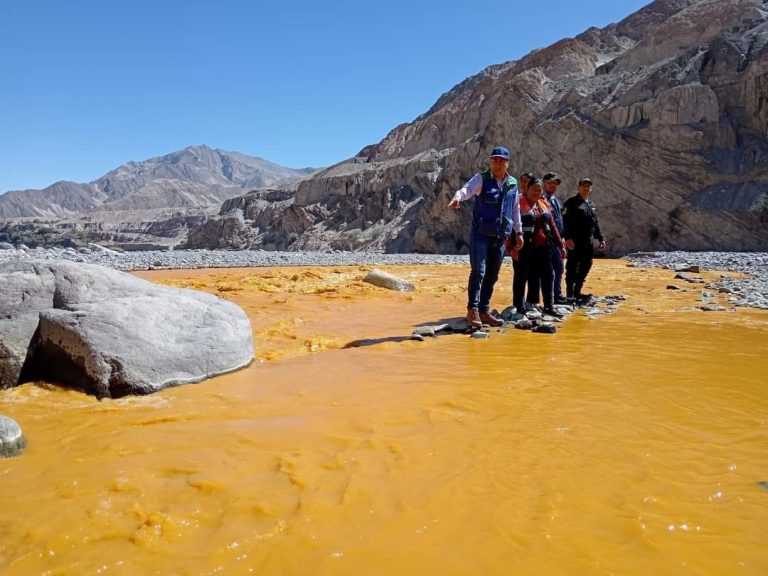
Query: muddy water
column 634, row 443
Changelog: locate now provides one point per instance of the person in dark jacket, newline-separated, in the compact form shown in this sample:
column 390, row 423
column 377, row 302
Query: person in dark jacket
column 532, row 264
column 581, row 226
column 551, row 182
column 496, row 216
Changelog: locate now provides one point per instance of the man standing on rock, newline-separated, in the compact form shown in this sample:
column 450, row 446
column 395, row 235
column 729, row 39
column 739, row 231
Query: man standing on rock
column 581, row 226
column 496, row 213
column 551, row 182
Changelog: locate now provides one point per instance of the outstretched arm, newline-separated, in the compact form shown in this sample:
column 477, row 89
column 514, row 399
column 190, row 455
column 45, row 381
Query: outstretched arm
column 470, row 189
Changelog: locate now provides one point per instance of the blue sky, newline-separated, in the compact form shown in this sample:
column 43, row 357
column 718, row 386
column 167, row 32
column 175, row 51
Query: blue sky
column 86, row 85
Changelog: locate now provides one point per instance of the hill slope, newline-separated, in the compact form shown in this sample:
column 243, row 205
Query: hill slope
column 667, row 111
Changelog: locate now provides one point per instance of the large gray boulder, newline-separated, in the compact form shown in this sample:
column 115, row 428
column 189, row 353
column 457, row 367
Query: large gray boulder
column 112, row 334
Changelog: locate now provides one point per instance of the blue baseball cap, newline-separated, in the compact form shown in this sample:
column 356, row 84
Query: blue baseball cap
column 500, row 152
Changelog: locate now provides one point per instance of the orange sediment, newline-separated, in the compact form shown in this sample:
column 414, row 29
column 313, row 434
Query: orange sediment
column 633, row 443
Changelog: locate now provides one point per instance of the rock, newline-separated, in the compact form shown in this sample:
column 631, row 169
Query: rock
column 508, row 314
column 103, row 249
column 688, row 278
column 12, row 440
column 695, row 269
column 545, row 328
column 422, row 331
column 112, row 334
column 417, row 337
column 442, row 328
column 459, row 325
column 479, row 334
column 763, row 484
column 672, row 287
column 712, row 308
column 6, row 246
column 524, row 324
column 389, row 281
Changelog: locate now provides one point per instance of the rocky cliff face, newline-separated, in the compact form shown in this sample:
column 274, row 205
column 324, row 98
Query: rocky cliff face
column 667, row 111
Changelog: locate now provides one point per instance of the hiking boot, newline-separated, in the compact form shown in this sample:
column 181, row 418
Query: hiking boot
column 473, row 318
column 582, row 297
column 562, row 300
column 486, row 318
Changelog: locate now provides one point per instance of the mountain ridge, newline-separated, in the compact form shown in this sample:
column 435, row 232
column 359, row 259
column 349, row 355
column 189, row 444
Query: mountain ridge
column 192, row 177
column 667, row 111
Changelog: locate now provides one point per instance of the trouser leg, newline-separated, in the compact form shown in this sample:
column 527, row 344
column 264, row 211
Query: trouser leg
column 534, row 287
column 494, row 258
column 557, row 272
column 520, row 279
column 570, row 272
column 477, row 261
column 584, row 265
column 544, row 273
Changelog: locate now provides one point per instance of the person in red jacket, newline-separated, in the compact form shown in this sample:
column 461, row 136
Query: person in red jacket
column 532, row 263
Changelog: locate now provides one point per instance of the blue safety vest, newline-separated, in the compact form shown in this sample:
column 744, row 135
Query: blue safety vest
column 492, row 215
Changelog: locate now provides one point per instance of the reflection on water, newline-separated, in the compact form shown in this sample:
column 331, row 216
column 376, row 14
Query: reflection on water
column 630, row 444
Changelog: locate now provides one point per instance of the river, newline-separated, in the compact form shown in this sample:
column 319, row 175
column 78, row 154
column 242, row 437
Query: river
column 633, row 443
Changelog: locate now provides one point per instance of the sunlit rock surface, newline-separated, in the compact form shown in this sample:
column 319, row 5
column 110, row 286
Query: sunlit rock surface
column 110, row 333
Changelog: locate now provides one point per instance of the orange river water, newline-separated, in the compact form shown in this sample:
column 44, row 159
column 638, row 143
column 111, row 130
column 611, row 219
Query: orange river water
column 635, row 443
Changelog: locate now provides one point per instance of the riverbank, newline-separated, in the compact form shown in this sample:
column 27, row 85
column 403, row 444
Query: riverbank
column 749, row 287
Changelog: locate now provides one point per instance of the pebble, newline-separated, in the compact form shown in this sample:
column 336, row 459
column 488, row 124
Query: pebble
column 751, row 291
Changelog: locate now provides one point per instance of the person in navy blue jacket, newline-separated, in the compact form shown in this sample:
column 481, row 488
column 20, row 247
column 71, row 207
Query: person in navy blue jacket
column 496, row 216
column 551, row 182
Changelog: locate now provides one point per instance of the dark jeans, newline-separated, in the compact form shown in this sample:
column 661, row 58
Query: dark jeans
column 557, row 272
column 485, row 256
column 532, row 267
column 556, row 261
column 577, row 267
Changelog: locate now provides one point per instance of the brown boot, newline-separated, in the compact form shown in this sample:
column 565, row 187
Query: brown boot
column 486, row 318
column 473, row 317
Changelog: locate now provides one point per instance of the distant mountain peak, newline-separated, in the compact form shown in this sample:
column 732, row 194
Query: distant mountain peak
column 194, row 176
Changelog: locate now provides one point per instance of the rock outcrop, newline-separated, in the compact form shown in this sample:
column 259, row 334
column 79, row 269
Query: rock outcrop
column 667, row 111
column 112, row 334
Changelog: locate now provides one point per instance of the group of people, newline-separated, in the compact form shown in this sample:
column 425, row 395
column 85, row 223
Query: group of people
column 529, row 223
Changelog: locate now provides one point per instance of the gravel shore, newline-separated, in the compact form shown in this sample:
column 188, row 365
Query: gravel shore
column 751, row 291
column 184, row 259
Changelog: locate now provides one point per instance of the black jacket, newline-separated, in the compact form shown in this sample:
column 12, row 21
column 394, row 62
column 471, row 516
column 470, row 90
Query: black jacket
column 580, row 221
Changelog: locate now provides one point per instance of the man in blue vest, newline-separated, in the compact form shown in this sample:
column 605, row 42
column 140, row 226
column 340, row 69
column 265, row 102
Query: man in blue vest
column 496, row 213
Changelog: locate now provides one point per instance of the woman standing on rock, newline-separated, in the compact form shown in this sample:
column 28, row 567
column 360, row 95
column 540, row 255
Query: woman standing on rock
column 532, row 264
column 495, row 215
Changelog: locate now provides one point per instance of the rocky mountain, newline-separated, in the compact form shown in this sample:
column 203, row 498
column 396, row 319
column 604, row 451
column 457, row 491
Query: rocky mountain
column 195, row 177
column 667, row 111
